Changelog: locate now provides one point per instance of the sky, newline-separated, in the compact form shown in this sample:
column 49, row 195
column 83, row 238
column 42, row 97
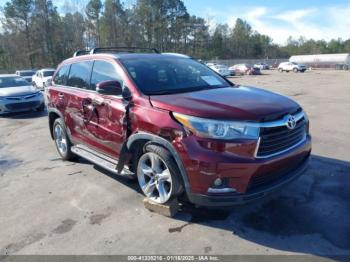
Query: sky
column 317, row 19
column 279, row 19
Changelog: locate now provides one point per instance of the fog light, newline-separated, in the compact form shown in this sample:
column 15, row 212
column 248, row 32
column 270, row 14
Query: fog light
column 217, row 182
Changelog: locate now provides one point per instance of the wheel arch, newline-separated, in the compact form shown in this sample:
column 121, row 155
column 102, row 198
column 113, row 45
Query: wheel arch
column 53, row 115
column 143, row 138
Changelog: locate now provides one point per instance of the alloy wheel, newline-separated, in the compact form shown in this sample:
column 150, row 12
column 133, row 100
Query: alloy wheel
column 154, row 178
column 60, row 139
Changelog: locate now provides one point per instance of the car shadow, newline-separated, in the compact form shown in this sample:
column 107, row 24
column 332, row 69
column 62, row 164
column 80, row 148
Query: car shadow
column 25, row 115
column 311, row 215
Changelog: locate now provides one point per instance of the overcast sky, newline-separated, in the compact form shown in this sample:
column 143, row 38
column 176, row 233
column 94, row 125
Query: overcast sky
column 317, row 19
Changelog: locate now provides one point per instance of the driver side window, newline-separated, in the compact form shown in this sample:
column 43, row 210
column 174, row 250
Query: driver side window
column 103, row 71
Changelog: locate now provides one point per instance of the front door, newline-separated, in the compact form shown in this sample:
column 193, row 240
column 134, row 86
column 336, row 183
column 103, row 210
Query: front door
column 104, row 116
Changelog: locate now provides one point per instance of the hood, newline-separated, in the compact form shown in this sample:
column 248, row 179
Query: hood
column 231, row 103
column 17, row 91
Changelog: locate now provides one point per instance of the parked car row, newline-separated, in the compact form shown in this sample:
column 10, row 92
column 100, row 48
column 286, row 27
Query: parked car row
column 38, row 78
column 246, row 69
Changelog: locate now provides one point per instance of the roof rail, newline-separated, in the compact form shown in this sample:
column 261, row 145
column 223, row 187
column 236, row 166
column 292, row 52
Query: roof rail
column 81, row 52
column 122, row 49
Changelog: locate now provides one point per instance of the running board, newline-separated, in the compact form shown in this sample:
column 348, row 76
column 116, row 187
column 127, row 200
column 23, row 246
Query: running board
column 101, row 160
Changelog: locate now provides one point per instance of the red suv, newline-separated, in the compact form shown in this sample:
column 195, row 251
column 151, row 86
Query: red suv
column 177, row 126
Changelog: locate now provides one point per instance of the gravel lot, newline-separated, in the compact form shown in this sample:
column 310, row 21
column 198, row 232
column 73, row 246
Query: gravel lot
column 52, row 207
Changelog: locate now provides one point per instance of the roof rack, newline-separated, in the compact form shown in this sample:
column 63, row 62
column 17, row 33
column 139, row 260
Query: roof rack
column 81, row 52
column 122, row 49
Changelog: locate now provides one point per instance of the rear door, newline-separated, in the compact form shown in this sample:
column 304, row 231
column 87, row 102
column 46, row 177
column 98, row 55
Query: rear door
column 105, row 115
column 76, row 94
column 57, row 93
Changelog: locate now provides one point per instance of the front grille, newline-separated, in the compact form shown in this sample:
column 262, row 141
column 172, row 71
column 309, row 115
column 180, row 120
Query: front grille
column 24, row 105
column 277, row 139
column 21, row 97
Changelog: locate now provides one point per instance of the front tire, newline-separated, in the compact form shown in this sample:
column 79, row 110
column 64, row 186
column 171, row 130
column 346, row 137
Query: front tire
column 157, row 174
column 63, row 144
column 280, row 70
column 295, row 70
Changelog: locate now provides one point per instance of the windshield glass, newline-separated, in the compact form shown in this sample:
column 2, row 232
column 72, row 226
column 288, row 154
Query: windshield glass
column 26, row 73
column 48, row 73
column 171, row 75
column 12, row 81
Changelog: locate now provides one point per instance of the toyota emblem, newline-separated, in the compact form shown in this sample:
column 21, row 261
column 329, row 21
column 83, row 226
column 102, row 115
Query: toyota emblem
column 291, row 122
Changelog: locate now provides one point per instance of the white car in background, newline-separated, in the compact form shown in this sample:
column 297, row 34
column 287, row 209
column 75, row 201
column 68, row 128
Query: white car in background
column 291, row 66
column 220, row 69
column 42, row 77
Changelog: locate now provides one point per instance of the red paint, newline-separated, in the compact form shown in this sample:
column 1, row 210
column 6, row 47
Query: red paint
column 234, row 160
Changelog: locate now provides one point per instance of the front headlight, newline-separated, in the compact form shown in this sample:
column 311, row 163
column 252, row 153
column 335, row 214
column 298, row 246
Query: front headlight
column 217, row 129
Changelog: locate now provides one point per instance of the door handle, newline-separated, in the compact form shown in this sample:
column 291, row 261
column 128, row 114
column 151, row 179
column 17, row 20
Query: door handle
column 60, row 95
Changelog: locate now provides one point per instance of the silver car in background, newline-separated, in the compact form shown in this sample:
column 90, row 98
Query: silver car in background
column 17, row 95
column 26, row 74
column 220, row 69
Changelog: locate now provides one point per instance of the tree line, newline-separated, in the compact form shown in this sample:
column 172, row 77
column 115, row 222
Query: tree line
column 34, row 34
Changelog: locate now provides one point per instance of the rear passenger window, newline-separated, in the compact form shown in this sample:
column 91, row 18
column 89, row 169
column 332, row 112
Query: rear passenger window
column 103, row 71
column 79, row 75
column 62, row 75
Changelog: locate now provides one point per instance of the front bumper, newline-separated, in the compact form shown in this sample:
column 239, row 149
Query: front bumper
column 19, row 104
column 248, row 177
column 230, row 200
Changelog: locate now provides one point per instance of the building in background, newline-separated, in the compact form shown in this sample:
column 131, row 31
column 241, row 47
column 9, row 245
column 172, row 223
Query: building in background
column 334, row 61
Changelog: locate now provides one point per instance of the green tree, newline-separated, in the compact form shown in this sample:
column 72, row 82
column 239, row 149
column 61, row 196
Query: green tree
column 18, row 15
column 93, row 12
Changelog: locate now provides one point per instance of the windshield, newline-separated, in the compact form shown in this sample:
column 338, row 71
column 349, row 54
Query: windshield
column 48, row 73
column 171, row 75
column 26, row 73
column 12, row 82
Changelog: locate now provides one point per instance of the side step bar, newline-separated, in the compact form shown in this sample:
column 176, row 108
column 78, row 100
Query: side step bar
column 101, row 160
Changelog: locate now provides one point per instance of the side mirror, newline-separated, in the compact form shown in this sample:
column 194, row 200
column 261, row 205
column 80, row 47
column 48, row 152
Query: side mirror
column 113, row 88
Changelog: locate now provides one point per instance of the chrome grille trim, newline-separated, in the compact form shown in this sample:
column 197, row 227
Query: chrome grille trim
column 280, row 123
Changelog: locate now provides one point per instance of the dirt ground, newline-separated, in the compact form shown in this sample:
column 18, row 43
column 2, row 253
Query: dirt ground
column 48, row 206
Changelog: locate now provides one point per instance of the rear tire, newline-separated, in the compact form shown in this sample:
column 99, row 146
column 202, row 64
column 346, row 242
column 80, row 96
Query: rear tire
column 157, row 174
column 62, row 142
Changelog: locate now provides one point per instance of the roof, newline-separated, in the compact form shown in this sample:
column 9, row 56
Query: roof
column 124, row 56
column 26, row 70
column 47, row 69
column 8, row 75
